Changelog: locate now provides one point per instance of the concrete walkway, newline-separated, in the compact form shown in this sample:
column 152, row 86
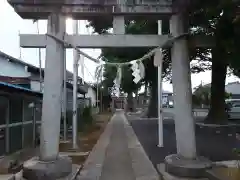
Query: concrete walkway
column 118, row 155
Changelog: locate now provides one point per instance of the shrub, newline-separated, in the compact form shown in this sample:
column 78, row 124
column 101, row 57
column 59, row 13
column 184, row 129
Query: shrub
column 86, row 115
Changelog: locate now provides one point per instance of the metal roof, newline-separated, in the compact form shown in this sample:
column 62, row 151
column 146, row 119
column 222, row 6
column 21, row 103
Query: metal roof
column 32, row 67
column 12, row 86
column 15, row 60
column 35, row 69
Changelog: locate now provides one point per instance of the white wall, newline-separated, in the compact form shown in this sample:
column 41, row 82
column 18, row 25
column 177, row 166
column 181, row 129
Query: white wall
column 233, row 88
column 170, row 112
column 92, row 95
column 12, row 69
column 35, row 86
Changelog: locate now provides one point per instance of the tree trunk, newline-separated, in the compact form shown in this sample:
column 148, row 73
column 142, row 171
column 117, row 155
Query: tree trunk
column 130, row 104
column 145, row 90
column 136, row 104
column 145, row 93
column 217, row 113
column 153, row 105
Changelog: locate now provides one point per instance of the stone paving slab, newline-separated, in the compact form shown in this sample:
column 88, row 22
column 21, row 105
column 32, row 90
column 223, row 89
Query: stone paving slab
column 142, row 166
column 118, row 155
column 92, row 167
column 117, row 161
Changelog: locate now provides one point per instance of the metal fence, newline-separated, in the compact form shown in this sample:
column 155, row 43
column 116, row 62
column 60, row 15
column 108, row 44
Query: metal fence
column 19, row 115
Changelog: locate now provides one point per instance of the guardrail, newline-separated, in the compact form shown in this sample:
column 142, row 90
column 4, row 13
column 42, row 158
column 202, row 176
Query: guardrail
column 197, row 112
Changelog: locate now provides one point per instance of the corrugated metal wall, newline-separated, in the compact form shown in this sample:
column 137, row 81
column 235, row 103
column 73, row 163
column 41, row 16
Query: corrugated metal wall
column 17, row 122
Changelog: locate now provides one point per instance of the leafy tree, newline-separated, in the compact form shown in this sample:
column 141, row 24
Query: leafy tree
column 126, row 54
column 216, row 18
column 103, row 94
column 127, row 84
column 202, row 95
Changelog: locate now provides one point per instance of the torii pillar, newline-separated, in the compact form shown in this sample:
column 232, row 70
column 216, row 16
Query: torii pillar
column 185, row 162
column 49, row 165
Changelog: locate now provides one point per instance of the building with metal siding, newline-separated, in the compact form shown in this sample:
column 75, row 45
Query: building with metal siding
column 18, row 117
column 16, row 71
column 167, row 99
column 20, row 103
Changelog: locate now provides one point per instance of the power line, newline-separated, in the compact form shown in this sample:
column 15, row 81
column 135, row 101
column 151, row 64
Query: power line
column 20, row 49
column 89, row 71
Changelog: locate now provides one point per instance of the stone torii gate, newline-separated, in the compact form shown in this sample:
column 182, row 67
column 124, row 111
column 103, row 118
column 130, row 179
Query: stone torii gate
column 186, row 158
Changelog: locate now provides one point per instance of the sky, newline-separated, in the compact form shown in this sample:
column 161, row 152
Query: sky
column 12, row 25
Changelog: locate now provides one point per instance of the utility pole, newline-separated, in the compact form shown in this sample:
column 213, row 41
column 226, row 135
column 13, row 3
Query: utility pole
column 160, row 117
column 97, row 98
column 82, row 64
column 40, row 63
column 20, row 49
column 75, row 85
column 98, row 102
column 64, row 108
column 101, row 105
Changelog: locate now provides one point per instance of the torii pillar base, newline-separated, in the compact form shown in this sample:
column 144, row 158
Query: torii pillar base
column 182, row 167
column 34, row 169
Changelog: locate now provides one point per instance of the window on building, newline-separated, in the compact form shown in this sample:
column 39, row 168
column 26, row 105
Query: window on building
column 3, row 110
column 28, row 109
column 2, row 141
column 16, row 107
column 28, row 135
column 38, row 111
column 15, row 138
column 28, row 86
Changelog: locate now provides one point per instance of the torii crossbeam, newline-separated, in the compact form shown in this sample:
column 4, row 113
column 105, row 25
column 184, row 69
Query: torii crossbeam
column 112, row 41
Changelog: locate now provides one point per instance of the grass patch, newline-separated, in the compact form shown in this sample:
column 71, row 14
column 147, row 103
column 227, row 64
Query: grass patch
column 87, row 138
column 226, row 173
